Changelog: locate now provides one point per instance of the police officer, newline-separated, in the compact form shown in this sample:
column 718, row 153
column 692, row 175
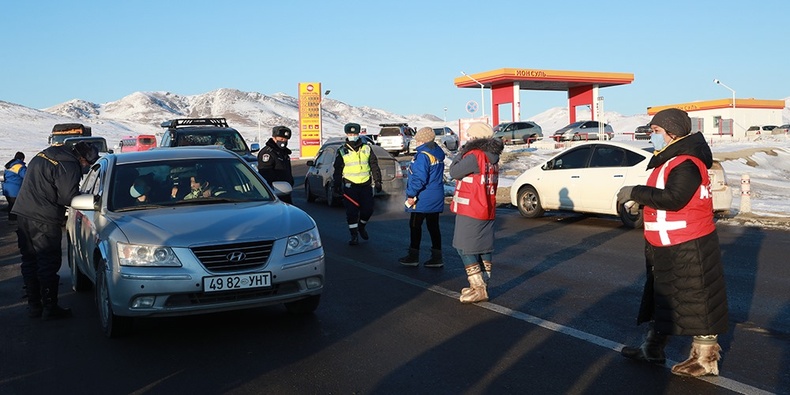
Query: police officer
column 52, row 180
column 356, row 167
column 274, row 159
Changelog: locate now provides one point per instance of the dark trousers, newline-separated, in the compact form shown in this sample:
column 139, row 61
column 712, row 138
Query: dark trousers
column 39, row 245
column 11, row 200
column 358, row 200
column 415, row 229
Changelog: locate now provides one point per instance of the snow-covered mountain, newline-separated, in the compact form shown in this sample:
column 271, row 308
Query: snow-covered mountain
column 26, row 129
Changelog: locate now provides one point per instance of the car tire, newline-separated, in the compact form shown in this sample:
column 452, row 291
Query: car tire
column 529, row 202
column 308, row 192
column 630, row 220
column 303, row 306
column 111, row 324
column 79, row 281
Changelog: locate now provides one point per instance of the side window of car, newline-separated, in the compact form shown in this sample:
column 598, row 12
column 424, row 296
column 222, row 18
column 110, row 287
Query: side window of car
column 607, row 157
column 632, row 158
column 91, row 184
column 574, row 159
column 165, row 140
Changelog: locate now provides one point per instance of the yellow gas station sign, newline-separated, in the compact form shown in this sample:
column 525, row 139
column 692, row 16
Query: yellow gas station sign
column 309, row 119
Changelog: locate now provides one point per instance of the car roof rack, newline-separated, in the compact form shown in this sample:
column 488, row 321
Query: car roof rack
column 393, row 124
column 175, row 123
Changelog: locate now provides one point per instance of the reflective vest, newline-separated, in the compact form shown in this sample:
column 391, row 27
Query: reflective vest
column 665, row 228
column 356, row 166
column 475, row 194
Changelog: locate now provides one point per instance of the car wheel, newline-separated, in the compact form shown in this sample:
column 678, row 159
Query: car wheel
column 79, row 281
column 111, row 324
column 630, row 220
column 576, row 137
column 304, row 306
column 308, row 192
column 529, row 202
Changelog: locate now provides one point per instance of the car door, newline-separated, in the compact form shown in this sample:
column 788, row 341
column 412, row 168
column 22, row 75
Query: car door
column 559, row 187
column 84, row 225
column 603, row 178
column 324, row 169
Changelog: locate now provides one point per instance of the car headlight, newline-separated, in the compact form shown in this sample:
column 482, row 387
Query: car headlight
column 303, row 242
column 146, row 255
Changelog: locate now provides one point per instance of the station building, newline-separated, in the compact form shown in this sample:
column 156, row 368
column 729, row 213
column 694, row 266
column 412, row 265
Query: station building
column 729, row 118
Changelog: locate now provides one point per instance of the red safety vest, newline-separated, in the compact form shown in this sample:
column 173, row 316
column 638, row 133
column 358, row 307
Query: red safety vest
column 665, row 228
column 475, row 194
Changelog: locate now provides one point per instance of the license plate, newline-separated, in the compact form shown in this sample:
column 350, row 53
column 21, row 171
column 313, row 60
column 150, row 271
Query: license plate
column 243, row 281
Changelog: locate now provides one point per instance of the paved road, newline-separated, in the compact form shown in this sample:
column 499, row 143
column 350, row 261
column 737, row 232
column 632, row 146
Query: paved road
column 563, row 298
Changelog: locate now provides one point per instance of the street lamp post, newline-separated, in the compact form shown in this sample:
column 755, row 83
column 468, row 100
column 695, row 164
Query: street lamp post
column 445, row 116
column 717, row 82
column 321, row 114
column 482, row 93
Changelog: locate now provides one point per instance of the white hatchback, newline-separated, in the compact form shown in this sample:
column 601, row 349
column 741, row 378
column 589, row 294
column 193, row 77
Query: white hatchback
column 587, row 177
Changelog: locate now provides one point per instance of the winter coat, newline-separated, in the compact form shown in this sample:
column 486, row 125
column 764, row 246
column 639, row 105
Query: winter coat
column 51, row 181
column 14, row 173
column 685, row 292
column 426, row 179
column 274, row 163
column 471, row 235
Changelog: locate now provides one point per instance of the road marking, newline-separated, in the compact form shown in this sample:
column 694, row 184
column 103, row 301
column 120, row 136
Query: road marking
column 719, row 381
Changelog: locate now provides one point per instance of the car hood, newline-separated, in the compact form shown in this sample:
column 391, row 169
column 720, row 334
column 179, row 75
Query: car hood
column 184, row 226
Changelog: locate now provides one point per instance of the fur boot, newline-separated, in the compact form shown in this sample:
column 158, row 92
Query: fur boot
column 412, row 258
column 703, row 360
column 477, row 286
column 651, row 350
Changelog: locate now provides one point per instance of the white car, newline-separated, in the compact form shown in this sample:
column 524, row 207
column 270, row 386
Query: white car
column 587, row 177
column 445, row 137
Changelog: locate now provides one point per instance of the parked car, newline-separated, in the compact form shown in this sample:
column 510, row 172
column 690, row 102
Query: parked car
column 445, row 137
column 587, row 177
column 760, row 130
column 395, row 137
column 207, row 131
column 584, row 130
column 642, row 132
column 318, row 180
column 784, row 129
column 518, row 132
column 236, row 247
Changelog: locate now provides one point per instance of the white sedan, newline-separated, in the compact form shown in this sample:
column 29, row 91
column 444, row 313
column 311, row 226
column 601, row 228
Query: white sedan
column 587, row 177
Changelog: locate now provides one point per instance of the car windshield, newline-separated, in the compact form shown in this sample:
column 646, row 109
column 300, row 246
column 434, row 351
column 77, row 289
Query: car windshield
column 144, row 185
column 230, row 141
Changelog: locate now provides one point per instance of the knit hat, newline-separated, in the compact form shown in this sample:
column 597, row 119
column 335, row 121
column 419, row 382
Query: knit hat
column 479, row 130
column 352, row 128
column 140, row 187
column 424, row 135
column 281, row 131
column 673, row 120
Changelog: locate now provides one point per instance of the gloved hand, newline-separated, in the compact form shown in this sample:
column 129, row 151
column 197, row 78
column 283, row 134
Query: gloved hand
column 624, row 194
column 378, row 187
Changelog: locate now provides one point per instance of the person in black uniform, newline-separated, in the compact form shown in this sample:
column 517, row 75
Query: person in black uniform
column 52, row 180
column 356, row 168
column 274, row 159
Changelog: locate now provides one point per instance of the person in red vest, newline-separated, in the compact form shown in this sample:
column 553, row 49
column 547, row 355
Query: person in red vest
column 476, row 171
column 685, row 292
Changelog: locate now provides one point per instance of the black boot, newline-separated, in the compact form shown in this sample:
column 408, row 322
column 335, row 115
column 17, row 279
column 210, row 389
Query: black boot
column 49, row 299
column 651, row 350
column 436, row 259
column 362, row 232
column 411, row 259
column 33, row 292
column 354, row 237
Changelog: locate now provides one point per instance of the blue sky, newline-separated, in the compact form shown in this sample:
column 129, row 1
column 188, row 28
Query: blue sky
column 398, row 56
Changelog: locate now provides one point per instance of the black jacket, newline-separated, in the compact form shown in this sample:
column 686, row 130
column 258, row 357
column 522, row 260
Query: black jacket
column 685, row 292
column 274, row 163
column 51, row 181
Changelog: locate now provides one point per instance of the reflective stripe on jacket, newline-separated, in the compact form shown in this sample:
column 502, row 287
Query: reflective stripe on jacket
column 665, row 228
column 356, row 168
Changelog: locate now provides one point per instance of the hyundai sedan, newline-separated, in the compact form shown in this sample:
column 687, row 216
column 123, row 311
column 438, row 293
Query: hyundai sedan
column 587, row 177
column 178, row 231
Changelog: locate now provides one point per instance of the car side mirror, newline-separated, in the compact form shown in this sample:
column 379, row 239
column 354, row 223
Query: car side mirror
column 254, row 147
column 310, row 163
column 85, row 202
column 282, row 188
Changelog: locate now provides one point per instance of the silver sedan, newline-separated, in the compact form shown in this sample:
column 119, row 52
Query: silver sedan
column 178, row 231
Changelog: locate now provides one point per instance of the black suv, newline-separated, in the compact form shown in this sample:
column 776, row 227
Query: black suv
column 207, row 131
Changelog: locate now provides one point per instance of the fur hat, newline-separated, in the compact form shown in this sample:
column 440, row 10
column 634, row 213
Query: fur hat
column 87, row 151
column 479, row 130
column 673, row 120
column 424, row 135
column 281, row 131
column 352, row 128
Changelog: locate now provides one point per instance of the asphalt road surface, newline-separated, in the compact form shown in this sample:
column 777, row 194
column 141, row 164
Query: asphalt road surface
column 564, row 297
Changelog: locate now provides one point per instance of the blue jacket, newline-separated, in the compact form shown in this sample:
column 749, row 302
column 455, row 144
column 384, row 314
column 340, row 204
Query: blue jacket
column 426, row 172
column 14, row 174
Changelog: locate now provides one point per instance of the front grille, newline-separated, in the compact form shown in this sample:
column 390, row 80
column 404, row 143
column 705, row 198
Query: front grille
column 232, row 257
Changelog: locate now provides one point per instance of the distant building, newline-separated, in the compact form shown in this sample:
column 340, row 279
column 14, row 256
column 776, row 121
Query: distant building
column 719, row 118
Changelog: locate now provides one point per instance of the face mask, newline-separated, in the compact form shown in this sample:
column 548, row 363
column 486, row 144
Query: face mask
column 352, row 138
column 282, row 144
column 658, row 141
